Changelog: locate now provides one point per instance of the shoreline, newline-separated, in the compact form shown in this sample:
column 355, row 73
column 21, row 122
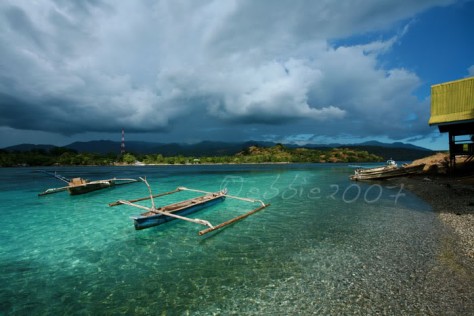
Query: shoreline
column 452, row 199
column 451, row 277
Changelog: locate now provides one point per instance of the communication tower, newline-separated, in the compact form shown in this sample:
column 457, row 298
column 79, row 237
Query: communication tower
column 122, row 146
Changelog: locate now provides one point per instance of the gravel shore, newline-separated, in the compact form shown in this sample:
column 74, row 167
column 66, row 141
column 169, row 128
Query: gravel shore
column 453, row 201
column 450, row 283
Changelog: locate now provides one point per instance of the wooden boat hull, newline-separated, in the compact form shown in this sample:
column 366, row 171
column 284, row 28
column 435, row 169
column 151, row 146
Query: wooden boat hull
column 377, row 169
column 386, row 173
column 150, row 219
column 78, row 186
column 89, row 187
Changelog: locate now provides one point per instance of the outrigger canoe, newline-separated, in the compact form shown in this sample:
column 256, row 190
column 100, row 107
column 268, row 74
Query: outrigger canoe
column 157, row 216
column 78, row 186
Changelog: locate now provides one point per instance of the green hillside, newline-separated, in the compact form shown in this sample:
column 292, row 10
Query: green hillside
column 275, row 154
column 252, row 154
column 280, row 153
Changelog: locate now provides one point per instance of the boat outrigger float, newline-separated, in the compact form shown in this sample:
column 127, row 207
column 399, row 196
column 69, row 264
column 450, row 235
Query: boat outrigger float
column 157, row 216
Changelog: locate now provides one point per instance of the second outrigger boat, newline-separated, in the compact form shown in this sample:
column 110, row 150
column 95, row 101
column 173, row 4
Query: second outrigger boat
column 78, row 186
column 156, row 216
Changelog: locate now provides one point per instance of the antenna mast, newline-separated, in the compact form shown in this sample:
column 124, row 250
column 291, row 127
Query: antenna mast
column 122, row 146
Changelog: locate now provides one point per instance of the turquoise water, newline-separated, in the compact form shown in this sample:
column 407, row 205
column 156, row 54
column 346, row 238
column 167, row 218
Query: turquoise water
column 324, row 246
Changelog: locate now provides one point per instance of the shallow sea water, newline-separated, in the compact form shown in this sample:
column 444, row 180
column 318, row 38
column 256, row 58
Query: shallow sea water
column 325, row 245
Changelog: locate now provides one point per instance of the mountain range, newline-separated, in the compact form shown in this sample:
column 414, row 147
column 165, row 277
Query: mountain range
column 397, row 150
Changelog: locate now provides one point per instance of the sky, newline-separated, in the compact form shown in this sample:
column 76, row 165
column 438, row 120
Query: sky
column 288, row 71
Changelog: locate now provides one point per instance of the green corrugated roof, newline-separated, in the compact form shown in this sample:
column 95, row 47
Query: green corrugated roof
column 452, row 101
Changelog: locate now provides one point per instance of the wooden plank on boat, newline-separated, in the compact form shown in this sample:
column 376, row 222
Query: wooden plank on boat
column 87, row 187
column 233, row 220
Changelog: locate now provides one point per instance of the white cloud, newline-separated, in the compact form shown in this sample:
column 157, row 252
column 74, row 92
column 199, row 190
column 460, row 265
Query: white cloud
column 272, row 92
column 470, row 71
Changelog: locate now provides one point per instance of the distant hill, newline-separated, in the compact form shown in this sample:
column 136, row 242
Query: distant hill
column 372, row 143
column 108, row 146
column 204, row 148
column 398, row 151
column 29, row 147
column 392, row 145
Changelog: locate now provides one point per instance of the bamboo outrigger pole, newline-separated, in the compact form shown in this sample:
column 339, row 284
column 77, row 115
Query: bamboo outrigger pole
column 53, row 190
column 233, row 220
column 227, row 195
column 145, row 198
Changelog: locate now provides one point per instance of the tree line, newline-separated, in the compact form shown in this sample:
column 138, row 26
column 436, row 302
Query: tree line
column 253, row 154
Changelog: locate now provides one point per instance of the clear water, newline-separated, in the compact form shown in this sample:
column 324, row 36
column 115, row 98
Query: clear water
column 325, row 245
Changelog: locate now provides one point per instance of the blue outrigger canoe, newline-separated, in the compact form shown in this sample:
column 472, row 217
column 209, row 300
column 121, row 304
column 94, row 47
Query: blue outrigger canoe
column 157, row 216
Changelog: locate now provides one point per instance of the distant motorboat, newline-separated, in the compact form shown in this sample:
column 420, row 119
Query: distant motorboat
column 390, row 170
column 391, row 162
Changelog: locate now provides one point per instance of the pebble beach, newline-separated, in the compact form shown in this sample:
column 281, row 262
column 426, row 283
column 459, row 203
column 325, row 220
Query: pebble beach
column 452, row 199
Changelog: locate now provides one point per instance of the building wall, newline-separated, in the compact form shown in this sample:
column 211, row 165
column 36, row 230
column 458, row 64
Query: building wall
column 452, row 102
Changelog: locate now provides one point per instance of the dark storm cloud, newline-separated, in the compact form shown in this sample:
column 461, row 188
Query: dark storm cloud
column 75, row 66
